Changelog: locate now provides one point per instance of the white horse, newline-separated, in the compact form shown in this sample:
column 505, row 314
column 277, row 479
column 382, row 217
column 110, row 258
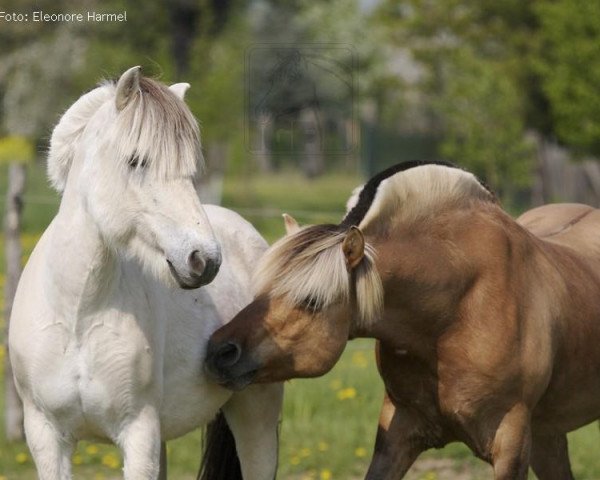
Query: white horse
column 103, row 343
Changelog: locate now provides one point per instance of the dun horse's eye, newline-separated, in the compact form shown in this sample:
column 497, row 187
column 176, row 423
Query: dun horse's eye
column 311, row 304
column 134, row 162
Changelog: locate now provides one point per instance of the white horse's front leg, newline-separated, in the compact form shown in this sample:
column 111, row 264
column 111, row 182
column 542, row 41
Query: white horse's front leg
column 140, row 444
column 50, row 449
column 253, row 416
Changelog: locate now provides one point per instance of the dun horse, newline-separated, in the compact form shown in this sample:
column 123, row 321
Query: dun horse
column 487, row 328
column 107, row 334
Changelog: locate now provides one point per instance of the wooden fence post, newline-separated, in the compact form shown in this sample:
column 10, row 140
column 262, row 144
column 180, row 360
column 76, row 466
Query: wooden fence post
column 12, row 231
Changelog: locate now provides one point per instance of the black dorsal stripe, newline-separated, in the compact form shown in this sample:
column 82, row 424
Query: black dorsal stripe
column 367, row 194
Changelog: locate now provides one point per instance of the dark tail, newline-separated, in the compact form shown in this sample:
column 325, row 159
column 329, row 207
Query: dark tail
column 220, row 460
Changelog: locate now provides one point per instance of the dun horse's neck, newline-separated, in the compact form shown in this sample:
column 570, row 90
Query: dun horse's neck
column 82, row 270
column 426, row 274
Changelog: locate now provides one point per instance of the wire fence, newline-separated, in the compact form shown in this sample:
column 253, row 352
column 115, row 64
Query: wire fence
column 265, row 212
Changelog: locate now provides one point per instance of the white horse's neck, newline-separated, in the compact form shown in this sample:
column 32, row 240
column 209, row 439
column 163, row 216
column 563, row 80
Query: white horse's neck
column 83, row 271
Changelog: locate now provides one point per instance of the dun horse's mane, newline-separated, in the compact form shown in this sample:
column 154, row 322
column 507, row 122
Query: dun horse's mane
column 412, row 190
column 155, row 131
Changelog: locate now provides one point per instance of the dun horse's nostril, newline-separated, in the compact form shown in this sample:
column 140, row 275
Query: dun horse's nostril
column 227, row 355
column 196, row 262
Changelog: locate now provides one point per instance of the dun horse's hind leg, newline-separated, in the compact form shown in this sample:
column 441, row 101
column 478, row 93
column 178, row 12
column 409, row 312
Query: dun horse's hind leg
column 51, row 451
column 162, row 474
column 512, row 444
column 550, row 457
column 398, row 443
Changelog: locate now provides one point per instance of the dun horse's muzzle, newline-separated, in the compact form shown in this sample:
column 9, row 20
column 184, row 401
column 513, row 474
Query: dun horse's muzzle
column 226, row 366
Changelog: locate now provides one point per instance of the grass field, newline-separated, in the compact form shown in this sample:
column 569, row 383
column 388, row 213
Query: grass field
column 328, row 424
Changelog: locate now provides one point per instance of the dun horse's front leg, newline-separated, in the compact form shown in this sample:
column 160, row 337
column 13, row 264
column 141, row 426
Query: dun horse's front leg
column 512, row 444
column 140, row 444
column 253, row 415
column 398, row 443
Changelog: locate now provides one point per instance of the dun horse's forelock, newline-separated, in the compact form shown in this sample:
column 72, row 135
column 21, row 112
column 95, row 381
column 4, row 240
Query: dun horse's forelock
column 158, row 130
column 295, row 267
column 310, row 265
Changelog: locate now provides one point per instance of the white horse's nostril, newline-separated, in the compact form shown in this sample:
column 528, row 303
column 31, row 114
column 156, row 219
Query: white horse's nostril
column 196, row 262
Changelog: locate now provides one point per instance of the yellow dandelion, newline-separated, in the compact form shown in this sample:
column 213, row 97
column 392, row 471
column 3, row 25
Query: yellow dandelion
column 323, row 446
column 430, row 476
column 21, row 458
column 360, row 452
column 77, row 459
column 92, row 449
column 346, row 393
column 295, row 460
column 335, row 384
column 325, row 474
column 304, row 452
column 360, row 359
column 111, row 461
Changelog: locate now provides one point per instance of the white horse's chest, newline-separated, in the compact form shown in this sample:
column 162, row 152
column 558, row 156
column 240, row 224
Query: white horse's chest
column 118, row 362
column 104, row 370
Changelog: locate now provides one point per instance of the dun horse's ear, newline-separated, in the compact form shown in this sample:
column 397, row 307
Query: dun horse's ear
column 179, row 89
column 353, row 247
column 127, row 86
column 291, row 225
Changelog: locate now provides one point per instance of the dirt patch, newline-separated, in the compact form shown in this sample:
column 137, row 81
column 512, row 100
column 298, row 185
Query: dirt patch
column 446, row 469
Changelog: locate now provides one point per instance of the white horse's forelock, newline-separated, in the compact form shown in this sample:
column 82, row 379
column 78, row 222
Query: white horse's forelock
column 309, row 266
column 155, row 130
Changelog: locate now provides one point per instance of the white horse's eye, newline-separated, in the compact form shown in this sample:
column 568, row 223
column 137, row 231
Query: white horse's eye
column 134, row 161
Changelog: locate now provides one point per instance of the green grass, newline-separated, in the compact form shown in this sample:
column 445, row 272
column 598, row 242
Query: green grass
column 328, row 426
column 262, row 199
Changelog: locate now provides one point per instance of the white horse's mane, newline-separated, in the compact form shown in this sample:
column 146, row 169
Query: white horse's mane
column 155, row 130
column 68, row 131
column 309, row 266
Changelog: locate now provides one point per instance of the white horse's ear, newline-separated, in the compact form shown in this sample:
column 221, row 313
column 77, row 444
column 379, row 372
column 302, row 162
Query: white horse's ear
column 127, row 86
column 291, row 225
column 179, row 89
column 353, row 247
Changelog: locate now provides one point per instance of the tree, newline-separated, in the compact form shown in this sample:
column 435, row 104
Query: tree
column 473, row 56
column 483, row 121
column 569, row 69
